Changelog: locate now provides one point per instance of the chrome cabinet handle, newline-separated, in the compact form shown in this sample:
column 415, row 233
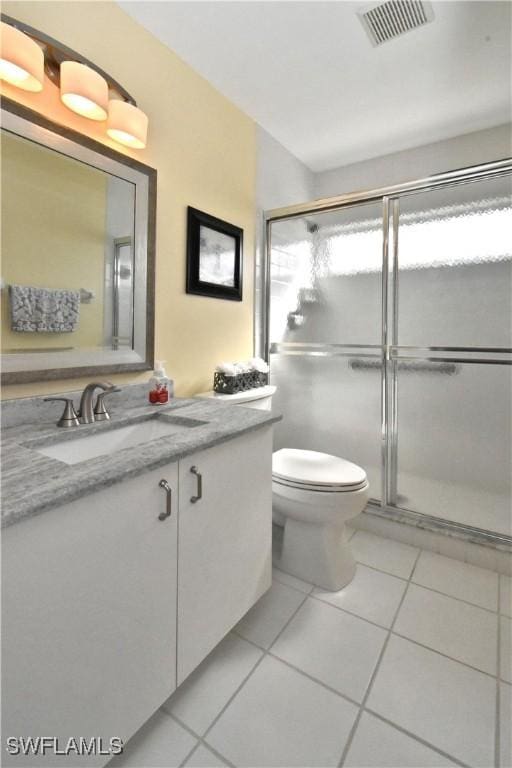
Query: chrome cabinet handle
column 168, row 490
column 199, row 476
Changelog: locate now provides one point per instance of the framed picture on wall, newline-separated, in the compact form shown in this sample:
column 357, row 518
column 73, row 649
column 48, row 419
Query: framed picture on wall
column 214, row 256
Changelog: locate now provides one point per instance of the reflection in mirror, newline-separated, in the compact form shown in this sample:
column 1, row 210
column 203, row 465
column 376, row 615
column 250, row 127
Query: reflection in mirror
column 122, row 293
column 74, row 256
column 67, row 237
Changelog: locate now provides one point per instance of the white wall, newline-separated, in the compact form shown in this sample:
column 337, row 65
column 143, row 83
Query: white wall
column 459, row 152
column 281, row 178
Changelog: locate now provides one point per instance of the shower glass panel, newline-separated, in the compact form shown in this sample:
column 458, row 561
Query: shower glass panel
column 326, row 277
column 325, row 333
column 331, row 404
column 454, row 446
column 451, row 451
column 455, row 267
column 405, row 370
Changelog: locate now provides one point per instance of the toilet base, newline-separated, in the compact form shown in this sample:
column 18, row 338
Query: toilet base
column 316, row 553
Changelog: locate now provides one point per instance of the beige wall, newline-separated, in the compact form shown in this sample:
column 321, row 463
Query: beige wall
column 204, row 150
column 53, row 236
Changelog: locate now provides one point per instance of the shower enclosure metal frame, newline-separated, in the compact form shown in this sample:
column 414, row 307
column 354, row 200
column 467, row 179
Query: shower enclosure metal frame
column 390, row 351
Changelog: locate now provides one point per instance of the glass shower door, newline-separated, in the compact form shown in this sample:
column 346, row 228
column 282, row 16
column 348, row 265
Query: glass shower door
column 389, row 333
column 450, row 391
column 325, row 334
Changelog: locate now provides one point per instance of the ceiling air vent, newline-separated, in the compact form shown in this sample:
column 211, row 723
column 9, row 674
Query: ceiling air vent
column 385, row 21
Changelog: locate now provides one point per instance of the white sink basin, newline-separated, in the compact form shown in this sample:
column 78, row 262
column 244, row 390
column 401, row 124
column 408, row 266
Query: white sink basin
column 116, row 439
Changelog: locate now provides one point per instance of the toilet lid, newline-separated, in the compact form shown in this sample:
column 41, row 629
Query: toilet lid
column 317, row 470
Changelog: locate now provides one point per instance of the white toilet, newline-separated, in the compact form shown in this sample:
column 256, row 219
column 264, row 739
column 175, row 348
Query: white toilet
column 316, row 494
column 313, row 495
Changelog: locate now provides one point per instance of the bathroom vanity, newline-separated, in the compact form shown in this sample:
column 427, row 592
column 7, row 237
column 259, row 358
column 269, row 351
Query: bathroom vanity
column 122, row 571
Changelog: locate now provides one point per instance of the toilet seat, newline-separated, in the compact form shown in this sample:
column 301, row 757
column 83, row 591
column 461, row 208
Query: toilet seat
column 319, row 488
column 315, row 471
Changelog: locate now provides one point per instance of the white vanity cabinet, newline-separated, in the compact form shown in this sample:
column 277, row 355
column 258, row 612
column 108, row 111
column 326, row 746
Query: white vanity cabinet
column 89, row 616
column 108, row 603
column 224, row 541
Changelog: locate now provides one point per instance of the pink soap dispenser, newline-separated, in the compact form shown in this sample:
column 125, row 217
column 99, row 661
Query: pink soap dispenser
column 159, row 385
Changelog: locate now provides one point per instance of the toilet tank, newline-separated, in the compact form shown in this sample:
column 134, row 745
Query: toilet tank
column 260, row 398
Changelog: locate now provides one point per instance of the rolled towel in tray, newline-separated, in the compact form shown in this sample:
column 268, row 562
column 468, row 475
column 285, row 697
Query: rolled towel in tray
column 228, row 369
column 258, row 364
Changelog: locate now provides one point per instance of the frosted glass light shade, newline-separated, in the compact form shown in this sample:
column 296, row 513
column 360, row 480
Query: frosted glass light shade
column 83, row 90
column 127, row 124
column 21, row 60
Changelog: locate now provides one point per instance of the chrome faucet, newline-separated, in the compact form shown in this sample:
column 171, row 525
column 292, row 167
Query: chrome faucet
column 86, row 412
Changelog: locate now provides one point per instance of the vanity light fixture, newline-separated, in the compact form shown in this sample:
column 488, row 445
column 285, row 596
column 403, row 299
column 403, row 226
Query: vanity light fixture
column 83, row 90
column 27, row 55
column 21, row 60
column 127, row 124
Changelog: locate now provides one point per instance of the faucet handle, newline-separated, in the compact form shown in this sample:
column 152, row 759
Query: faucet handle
column 69, row 417
column 100, row 412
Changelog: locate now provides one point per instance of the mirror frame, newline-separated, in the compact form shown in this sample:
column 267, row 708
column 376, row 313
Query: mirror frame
column 99, row 156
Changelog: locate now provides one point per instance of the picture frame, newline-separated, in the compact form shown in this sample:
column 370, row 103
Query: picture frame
column 214, row 256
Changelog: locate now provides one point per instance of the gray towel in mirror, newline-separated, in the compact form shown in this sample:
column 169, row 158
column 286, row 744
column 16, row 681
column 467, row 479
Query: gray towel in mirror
column 43, row 310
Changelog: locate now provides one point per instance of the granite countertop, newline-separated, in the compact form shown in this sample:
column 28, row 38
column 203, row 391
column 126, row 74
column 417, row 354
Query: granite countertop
column 33, row 483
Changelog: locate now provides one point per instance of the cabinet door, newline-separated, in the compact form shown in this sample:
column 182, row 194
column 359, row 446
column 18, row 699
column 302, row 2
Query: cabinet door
column 89, row 617
column 224, row 541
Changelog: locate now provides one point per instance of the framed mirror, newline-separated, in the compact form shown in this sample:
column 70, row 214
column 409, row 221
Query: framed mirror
column 78, row 252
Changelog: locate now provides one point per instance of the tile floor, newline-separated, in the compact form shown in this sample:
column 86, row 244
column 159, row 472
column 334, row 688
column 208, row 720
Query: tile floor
column 408, row 666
